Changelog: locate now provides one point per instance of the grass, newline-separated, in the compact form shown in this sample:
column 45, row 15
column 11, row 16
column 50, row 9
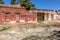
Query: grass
column 32, row 38
column 4, row 28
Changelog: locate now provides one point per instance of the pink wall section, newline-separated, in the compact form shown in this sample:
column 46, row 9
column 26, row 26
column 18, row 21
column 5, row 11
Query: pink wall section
column 12, row 16
column 57, row 17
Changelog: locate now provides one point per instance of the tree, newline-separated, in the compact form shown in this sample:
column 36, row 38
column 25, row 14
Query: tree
column 1, row 2
column 26, row 3
column 13, row 1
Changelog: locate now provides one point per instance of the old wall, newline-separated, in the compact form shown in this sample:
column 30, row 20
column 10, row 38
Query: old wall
column 8, row 14
column 48, row 14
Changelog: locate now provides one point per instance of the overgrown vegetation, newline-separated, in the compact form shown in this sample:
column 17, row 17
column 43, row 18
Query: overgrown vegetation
column 32, row 38
column 40, row 16
column 4, row 28
column 13, row 1
column 26, row 3
column 1, row 2
column 54, row 35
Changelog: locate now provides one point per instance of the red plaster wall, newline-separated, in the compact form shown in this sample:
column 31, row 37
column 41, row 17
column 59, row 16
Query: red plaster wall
column 24, row 14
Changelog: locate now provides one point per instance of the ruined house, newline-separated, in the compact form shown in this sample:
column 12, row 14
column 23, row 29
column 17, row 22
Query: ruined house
column 18, row 14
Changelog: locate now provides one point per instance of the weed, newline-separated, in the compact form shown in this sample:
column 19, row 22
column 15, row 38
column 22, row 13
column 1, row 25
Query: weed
column 4, row 28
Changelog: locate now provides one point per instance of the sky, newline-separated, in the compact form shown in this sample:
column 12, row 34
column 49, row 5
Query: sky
column 43, row 4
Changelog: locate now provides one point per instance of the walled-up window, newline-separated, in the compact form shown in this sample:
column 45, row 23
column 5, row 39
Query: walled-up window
column 52, row 16
column 2, row 17
column 12, row 17
column 47, row 16
column 17, row 16
column 7, row 17
column 17, row 13
column 7, row 12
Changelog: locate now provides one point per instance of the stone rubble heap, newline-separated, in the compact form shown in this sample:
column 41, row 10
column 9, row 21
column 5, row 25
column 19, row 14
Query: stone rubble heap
column 18, row 33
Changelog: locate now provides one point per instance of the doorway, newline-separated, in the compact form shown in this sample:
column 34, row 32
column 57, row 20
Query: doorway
column 40, row 17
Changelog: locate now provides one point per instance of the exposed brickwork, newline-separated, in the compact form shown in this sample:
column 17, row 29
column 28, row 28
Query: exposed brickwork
column 9, row 13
